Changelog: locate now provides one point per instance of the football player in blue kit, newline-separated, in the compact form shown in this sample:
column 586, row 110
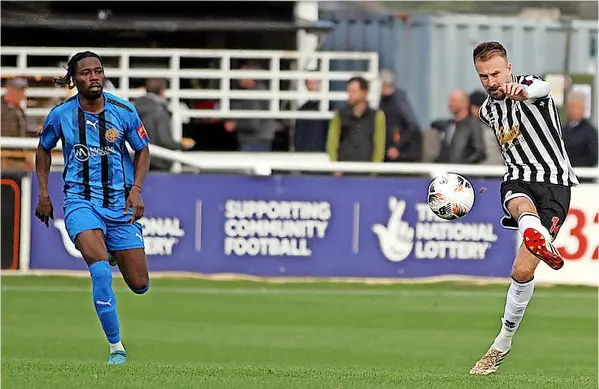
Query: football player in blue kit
column 102, row 185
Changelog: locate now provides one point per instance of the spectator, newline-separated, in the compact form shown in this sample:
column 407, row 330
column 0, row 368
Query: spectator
column 156, row 116
column 14, row 121
column 14, row 124
column 404, row 140
column 492, row 147
column 462, row 137
column 253, row 134
column 580, row 136
column 311, row 134
column 357, row 132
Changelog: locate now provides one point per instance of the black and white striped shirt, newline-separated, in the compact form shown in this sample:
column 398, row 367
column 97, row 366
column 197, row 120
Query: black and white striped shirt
column 530, row 135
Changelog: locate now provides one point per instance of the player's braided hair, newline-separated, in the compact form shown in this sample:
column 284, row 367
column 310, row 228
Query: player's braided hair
column 69, row 79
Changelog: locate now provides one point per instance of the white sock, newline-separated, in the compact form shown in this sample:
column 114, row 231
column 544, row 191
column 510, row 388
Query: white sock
column 530, row 220
column 518, row 296
column 118, row 346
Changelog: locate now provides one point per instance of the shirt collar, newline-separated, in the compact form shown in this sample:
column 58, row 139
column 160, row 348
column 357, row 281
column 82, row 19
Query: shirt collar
column 103, row 108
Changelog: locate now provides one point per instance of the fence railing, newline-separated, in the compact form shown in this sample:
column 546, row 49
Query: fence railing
column 267, row 163
column 125, row 67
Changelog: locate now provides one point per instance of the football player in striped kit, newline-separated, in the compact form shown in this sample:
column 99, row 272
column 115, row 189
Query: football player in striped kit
column 536, row 187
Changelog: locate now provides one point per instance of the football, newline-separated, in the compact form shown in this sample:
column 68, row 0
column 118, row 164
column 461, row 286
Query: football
column 450, row 196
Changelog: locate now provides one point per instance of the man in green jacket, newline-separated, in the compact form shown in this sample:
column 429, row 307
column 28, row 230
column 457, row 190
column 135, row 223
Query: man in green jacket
column 357, row 132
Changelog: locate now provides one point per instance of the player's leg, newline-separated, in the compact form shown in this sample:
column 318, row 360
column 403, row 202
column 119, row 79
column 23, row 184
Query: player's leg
column 543, row 219
column 521, row 213
column 553, row 204
column 92, row 246
column 518, row 296
column 134, row 267
column 87, row 232
column 125, row 241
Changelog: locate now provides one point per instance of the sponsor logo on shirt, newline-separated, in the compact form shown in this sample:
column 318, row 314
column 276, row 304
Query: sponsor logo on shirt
column 141, row 131
column 83, row 153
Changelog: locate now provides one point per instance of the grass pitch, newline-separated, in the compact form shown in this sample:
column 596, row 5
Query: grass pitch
column 246, row 335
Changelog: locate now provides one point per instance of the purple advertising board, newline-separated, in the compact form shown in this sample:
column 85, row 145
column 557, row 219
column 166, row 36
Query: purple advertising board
column 299, row 226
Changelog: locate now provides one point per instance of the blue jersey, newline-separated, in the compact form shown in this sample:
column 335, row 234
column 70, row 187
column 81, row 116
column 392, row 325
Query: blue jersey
column 97, row 166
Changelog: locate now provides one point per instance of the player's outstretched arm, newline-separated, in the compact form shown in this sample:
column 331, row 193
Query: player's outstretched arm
column 536, row 88
column 43, row 161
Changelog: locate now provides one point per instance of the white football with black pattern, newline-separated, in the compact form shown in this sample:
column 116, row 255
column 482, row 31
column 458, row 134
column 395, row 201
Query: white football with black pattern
column 450, row 196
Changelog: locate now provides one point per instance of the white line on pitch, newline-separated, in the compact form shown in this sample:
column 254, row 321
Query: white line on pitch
column 330, row 292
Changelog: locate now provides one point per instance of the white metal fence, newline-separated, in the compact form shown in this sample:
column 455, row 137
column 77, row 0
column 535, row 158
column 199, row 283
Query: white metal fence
column 131, row 66
column 265, row 164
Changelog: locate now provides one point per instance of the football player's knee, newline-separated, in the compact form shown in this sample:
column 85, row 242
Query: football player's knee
column 522, row 272
column 140, row 285
column 523, row 205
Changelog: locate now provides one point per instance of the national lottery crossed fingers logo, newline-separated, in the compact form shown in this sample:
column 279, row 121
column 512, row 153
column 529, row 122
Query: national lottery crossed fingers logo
column 396, row 239
column 431, row 237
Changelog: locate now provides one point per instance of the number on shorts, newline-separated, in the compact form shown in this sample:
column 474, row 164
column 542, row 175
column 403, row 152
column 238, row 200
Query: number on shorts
column 554, row 226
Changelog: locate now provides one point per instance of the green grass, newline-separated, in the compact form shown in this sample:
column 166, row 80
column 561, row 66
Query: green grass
column 246, row 335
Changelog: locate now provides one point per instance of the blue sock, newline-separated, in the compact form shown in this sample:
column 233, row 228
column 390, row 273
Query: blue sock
column 105, row 300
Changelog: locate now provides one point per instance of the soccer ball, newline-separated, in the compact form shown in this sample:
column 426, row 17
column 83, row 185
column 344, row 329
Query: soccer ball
column 450, row 196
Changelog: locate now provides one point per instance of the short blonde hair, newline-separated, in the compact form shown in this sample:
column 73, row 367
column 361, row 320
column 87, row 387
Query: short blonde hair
column 487, row 50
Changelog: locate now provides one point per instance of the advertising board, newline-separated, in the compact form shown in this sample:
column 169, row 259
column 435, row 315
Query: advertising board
column 305, row 226
column 577, row 241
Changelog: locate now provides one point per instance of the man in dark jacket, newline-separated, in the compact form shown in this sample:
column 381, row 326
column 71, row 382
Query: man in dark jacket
column 357, row 132
column 311, row 134
column 580, row 136
column 254, row 135
column 156, row 116
column 463, row 140
column 14, row 124
column 404, row 140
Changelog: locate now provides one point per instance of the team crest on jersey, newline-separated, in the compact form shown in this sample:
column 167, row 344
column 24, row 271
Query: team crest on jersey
column 112, row 135
column 506, row 135
column 141, row 131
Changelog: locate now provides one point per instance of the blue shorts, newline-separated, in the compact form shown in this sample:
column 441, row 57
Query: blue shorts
column 119, row 233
